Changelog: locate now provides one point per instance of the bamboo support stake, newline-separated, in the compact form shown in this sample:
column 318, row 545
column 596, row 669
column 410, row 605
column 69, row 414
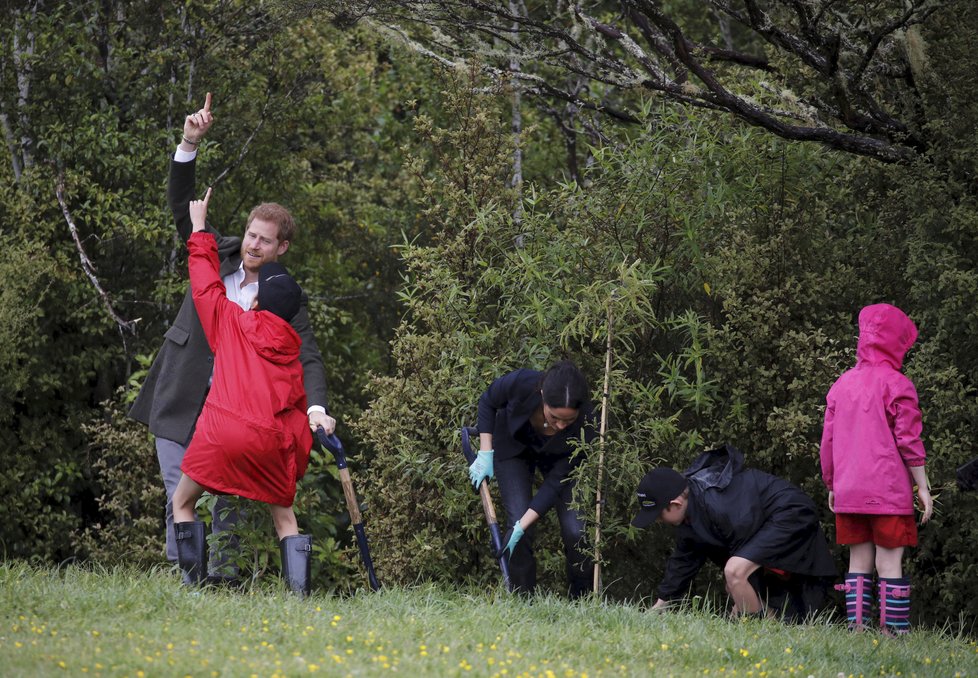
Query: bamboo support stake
column 601, row 444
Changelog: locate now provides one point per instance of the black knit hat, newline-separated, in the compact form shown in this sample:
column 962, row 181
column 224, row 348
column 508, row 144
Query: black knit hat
column 278, row 292
column 659, row 487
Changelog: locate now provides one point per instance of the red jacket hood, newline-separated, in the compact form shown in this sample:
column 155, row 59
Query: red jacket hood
column 273, row 338
column 885, row 335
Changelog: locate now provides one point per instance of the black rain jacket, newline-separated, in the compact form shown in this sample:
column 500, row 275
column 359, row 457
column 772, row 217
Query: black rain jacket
column 736, row 511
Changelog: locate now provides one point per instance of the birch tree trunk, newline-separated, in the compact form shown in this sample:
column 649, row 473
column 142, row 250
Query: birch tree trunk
column 517, row 122
column 23, row 67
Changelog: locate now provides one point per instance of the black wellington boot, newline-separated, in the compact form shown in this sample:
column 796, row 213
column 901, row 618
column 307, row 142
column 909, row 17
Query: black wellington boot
column 296, row 568
column 191, row 551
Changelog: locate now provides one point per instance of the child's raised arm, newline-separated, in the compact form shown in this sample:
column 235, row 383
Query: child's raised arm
column 209, row 293
column 198, row 211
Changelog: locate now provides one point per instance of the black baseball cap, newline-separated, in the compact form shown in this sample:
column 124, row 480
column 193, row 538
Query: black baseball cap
column 278, row 292
column 657, row 489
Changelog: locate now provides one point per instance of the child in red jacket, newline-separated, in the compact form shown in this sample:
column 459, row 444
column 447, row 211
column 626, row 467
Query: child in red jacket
column 872, row 456
column 252, row 439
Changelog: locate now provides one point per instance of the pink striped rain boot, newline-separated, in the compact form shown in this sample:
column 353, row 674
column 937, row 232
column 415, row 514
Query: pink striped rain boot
column 859, row 600
column 895, row 606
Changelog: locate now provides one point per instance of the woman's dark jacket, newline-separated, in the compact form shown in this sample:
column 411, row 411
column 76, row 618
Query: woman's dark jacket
column 505, row 409
column 735, row 511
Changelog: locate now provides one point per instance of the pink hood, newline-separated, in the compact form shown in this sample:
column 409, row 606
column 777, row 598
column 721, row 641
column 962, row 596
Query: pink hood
column 885, row 335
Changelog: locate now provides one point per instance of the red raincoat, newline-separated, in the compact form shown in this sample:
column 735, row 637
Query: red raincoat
column 252, row 437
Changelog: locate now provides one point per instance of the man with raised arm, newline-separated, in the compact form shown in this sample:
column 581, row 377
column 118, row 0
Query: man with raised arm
column 176, row 386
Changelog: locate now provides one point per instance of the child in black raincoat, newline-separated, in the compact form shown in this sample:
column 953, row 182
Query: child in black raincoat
column 760, row 529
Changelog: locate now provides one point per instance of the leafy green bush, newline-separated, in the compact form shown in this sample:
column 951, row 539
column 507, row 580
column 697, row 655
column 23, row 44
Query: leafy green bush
column 128, row 490
column 730, row 268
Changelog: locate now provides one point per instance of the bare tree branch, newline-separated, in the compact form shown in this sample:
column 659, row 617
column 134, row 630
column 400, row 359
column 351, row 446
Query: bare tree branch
column 243, row 153
column 125, row 326
column 840, row 55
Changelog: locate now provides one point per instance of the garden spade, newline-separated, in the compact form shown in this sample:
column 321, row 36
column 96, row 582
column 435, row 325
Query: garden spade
column 496, row 541
column 332, row 443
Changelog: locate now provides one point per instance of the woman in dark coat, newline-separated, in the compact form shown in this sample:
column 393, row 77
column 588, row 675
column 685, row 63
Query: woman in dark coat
column 526, row 422
column 760, row 529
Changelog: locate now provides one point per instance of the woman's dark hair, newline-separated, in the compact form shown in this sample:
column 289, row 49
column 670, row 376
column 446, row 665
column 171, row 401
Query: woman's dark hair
column 563, row 385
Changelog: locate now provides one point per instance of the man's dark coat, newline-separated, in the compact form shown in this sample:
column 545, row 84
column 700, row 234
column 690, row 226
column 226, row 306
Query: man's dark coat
column 173, row 394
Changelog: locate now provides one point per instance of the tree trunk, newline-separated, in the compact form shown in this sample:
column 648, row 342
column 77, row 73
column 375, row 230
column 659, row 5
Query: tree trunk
column 23, row 54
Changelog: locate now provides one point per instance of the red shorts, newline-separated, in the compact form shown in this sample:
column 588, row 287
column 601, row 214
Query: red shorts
column 890, row 532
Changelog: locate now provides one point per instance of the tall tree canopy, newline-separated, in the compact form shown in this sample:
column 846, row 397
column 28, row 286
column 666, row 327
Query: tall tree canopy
column 847, row 75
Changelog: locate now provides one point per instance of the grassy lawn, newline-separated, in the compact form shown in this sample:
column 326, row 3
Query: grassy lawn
column 75, row 622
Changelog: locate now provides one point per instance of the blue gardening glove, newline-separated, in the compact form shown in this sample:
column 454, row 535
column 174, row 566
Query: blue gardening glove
column 512, row 537
column 481, row 468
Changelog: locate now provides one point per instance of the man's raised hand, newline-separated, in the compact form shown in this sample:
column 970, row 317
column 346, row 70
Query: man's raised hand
column 198, row 210
column 196, row 124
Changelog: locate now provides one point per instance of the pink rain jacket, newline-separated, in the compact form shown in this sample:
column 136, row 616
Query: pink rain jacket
column 872, row 421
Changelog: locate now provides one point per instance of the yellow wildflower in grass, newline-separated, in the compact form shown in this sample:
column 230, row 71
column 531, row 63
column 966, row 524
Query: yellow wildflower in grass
column 744, row 652
column 313, row 668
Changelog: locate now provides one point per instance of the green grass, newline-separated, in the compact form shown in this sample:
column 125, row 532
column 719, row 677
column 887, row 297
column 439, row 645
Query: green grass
column 78, row 622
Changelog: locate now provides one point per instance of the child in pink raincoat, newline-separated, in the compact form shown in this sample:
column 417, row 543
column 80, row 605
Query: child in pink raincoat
column 872, row 456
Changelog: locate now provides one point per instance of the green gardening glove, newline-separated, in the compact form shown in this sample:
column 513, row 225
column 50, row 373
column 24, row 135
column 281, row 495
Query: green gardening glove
column 481, row 468
column 512, row 537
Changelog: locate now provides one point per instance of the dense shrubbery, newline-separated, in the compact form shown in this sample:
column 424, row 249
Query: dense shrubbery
column 734, row 266
column 103, row 91
column 728, row 267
